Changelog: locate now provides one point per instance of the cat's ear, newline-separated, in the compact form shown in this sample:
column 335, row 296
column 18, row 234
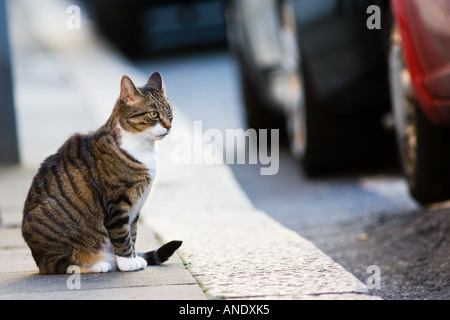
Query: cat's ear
column 129, row 94
column 156, row 82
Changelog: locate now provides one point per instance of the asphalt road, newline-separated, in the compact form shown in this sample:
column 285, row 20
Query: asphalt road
column 333, row 212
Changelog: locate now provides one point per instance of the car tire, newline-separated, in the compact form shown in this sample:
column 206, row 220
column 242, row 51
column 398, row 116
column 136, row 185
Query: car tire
column 423, row 146
column 258, row 113
column 346, row 131
column 340, row 141
column 261, row 110
column 324, row 133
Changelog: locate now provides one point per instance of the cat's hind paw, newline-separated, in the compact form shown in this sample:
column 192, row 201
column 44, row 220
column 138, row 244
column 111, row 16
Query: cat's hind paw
column 98, row 267
column 130, row 264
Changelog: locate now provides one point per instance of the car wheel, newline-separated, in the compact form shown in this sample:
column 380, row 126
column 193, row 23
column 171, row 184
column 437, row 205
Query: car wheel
column 258, row 113
column 322, row 132
column 423, row 146
column 294, row 112
column 267, row 56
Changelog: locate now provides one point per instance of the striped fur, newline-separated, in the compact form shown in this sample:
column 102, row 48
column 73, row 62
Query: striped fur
column 84, row 202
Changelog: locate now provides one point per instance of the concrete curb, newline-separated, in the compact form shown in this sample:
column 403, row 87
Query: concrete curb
column 232, row 249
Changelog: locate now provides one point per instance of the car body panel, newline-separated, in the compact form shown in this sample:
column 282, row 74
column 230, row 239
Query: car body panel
column 425, row 30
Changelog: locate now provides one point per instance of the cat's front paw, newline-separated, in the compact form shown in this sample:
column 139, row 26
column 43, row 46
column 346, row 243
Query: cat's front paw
column 130, row 264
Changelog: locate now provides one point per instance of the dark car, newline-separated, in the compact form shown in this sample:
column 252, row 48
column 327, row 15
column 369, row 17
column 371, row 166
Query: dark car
column 420, row 79
column 315, row 68
column 141, row 27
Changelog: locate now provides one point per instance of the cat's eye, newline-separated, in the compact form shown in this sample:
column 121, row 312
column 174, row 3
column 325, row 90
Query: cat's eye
column 154, row 114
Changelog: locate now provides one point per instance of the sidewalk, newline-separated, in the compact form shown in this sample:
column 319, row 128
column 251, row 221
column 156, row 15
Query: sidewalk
column 19, row 279
column 53, row 100
column 67, row 81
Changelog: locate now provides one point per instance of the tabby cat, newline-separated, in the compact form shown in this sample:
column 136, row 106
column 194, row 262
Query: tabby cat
column 83, row 204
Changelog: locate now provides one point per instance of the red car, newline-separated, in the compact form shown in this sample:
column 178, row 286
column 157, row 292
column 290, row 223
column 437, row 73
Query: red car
column 420, row 90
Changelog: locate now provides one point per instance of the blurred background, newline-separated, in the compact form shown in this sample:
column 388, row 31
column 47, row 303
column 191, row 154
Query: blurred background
column 315, row 70
column 311, row 69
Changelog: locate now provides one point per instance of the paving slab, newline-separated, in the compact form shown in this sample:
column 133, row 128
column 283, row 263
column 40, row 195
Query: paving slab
column 19, row 278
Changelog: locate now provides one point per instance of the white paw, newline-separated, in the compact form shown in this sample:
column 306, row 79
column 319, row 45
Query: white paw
column 101, row 266
column 130, row 264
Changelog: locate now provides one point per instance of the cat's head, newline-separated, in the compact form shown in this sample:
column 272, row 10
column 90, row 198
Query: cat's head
column 145, row 110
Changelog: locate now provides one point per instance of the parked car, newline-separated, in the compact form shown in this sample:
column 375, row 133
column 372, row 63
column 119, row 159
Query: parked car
column 420, row 79
column 313, row 68
column 141, row 27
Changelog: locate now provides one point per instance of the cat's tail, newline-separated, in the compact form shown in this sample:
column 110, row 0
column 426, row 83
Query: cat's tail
column 157, row 257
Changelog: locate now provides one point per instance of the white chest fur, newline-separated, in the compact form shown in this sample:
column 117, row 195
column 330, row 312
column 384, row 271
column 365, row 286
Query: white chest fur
column 141, row 147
